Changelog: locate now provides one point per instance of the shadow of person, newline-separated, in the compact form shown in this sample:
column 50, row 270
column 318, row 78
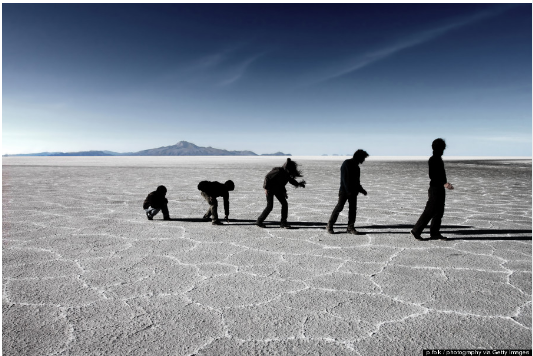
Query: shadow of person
column 471, row 234
column 231, row 221
column 187, row 219
column 493, row 238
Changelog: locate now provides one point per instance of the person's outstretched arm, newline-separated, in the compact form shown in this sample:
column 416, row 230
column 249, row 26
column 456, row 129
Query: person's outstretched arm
column 297, row 184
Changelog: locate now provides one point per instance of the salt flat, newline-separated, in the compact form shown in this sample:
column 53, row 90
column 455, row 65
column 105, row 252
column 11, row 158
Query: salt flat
column 85, row 273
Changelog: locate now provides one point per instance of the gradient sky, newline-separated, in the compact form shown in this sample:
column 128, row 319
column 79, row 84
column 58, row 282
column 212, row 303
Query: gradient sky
column 305, row 79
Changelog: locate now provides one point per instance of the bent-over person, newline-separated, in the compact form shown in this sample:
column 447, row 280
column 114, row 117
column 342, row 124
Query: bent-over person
column 211, row 191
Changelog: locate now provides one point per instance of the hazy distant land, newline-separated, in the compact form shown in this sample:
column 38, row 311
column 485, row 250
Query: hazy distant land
column 182, row 148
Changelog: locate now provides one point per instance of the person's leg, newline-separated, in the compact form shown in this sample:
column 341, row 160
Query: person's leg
column 208, row 199
column 352, row 211
column 284, row 209
column 426, row 216
column 336, row 211
column 214, row 209
column 268, row 209
column 438, row 213
column 151, row 212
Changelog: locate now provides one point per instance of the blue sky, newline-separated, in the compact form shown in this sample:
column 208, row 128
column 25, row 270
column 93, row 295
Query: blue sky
column 305, row 79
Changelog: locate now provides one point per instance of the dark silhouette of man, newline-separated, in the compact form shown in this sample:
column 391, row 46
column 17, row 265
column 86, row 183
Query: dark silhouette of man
column 436, row 195
column 348, row 191
column 274, row 185
column 211, row 191
column 156, row 201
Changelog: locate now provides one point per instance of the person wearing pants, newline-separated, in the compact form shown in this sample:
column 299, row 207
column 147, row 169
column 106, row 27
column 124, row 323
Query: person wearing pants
column 434, row 209
column 210, row 192
column 348, row 191
column 274, row 185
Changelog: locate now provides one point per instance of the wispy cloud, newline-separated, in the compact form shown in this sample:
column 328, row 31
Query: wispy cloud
column 361, row 61
column 238, row 70
column 218, row 69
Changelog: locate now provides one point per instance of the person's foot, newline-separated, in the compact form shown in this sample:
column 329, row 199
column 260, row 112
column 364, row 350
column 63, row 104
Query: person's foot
column 438, row 237
column 149, row 216
column 166, row 218
column 329, row 229
column 284, row 225
column 352, row 230
column 217, row 222
column 260, row 224
column 416, row 236
column 207, row 217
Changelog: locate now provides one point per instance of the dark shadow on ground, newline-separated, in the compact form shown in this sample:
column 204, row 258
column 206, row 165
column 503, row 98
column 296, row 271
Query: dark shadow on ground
column 469, row 234
column 489, row 232
column 232, row 221
column 189, row 219
column 495, row 238
column 341, row 229
column 406, row 226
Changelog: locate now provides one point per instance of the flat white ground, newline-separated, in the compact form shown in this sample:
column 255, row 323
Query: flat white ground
column 85, row 273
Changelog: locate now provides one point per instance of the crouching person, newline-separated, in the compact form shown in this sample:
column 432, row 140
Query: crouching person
column 211, row 191
column 156, row 201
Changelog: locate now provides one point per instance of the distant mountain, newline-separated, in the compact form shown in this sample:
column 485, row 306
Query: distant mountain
column 56, row 154
column 82, row 153
column 182, row 148
column 33, row 154
column 276, row 154
column 111, row 153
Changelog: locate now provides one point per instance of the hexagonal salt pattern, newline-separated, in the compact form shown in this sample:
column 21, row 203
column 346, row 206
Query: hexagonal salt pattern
column 85, row 273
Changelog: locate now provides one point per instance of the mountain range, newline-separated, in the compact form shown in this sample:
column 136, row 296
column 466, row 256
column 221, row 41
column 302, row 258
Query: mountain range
column 182, row 148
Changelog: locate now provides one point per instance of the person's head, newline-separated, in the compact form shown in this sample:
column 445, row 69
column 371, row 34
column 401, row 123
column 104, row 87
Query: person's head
column 292, row 168
column 229, row 185
column 162, row 190
column 360, row 155
column 438, row 146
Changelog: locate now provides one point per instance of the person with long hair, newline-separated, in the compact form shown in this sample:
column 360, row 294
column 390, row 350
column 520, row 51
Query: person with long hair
column 274, row 185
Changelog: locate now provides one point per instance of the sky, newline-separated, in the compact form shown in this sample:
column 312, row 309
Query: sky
column 304, row 79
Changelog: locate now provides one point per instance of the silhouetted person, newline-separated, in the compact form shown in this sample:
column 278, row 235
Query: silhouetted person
column 156, row 201
column 350, row 188
column 436, row 194
column 274, row 184
column 212, row 190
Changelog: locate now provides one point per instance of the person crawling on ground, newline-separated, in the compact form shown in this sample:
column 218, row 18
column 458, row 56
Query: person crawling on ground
column 274, row 185
column 211, row 191
column 156, row 201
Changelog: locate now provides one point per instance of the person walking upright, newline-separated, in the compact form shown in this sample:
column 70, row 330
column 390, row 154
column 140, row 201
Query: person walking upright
column 348, row 191
column 434, row 210
column 274, row 185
